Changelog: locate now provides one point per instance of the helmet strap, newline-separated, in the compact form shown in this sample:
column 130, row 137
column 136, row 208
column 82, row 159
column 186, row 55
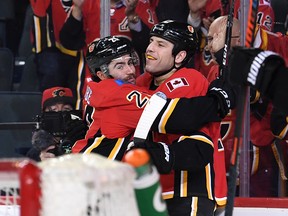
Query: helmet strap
column 165, row 72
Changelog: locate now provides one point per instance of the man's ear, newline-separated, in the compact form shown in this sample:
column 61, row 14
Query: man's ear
column 180, row 57
column 101, row 75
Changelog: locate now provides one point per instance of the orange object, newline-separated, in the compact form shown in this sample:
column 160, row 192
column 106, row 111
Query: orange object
column 137, row 157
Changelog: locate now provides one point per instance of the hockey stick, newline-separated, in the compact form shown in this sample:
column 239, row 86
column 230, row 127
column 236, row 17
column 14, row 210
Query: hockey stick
column 150, row 112
column 147, row 186
column 241, row 108
column 227, row 44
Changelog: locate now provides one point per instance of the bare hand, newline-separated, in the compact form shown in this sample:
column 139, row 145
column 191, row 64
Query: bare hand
column 130, row 6
column 78, row 3
column 196, row 5
column 207, row 22
column 44, row 154
column 77, row 9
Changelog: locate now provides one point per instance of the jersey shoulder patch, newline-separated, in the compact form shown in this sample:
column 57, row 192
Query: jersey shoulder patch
column 177, row 83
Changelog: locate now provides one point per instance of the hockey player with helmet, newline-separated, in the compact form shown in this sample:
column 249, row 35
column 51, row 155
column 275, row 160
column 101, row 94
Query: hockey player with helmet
column 172, row 45
column 113, row 106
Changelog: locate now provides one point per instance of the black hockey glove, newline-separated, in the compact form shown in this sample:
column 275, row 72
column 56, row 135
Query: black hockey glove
column 264, row 71
column 254, row 67
column 278, row 124
column 225, row 95
column 162, row 156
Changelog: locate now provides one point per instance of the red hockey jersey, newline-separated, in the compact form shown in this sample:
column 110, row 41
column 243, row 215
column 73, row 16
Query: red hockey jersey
column 114, row 108
column 49, row 17
column 190, row 83
column 265, row 14
column 276, row 42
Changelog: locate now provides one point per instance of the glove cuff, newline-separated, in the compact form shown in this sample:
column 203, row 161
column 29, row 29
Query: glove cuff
column 263, row 66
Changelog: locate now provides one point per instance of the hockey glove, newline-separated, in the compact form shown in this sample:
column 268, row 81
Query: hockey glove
column 263, row 70
column 253, row 67
column 225, row 95
column 161, row 155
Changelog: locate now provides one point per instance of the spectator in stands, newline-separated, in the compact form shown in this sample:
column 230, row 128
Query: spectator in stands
column 55, row 65
column 201, row 15
column 264, row 167
column 60, row 125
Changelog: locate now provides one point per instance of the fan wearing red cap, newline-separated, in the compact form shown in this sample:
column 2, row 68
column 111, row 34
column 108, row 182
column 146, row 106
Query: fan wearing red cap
column 60, row 125
column 58, row 99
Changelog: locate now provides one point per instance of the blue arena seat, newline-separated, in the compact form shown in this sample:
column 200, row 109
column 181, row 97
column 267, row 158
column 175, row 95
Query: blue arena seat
column 6, row 69
column 17, row 116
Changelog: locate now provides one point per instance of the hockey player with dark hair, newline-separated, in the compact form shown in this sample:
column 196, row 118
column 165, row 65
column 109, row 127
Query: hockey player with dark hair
column 113, row 105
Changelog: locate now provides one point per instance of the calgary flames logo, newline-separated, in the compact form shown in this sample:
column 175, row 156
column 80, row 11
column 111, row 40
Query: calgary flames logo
column 190, row 28
column 59, row 93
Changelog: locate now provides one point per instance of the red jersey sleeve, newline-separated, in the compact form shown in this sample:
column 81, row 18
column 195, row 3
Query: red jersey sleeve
column 276, row 42
column 265, row 14
column 121, row 106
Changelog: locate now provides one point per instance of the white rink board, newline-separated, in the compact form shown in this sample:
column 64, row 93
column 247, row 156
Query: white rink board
column 249, row 211
column 238, row 211
column 9, row 210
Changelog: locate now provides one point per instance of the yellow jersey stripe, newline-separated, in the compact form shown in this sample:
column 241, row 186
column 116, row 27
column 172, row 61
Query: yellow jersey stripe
column 116, row 149
column 37, row 34
column 166, row 115
column 194, row 206
column 183, row 184
column 198, row 137
column 209, row 182
column 95, row 144
column 65, row 50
